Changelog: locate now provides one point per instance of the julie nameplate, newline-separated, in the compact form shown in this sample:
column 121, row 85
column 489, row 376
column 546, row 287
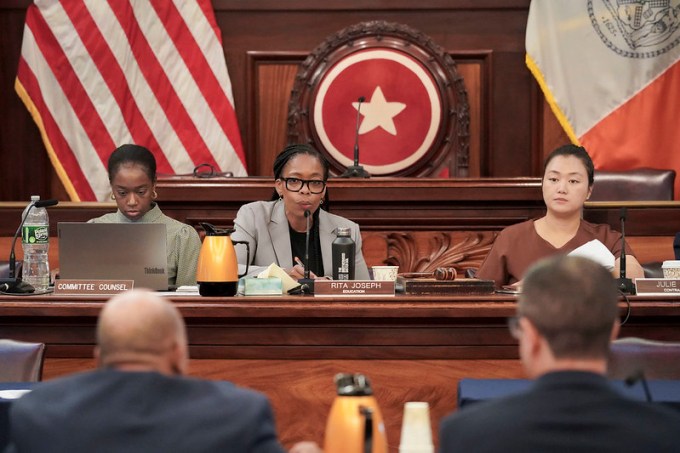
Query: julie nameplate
column 91, row 287
column 657, row 286
column 331, row 288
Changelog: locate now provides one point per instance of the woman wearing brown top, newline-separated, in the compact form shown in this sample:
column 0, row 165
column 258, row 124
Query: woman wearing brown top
column 567, row 184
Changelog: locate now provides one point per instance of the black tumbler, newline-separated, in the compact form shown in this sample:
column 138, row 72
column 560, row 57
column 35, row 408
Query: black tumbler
column 343, row 255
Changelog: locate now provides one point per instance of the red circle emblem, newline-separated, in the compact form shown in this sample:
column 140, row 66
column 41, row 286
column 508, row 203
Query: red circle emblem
column 398, row 121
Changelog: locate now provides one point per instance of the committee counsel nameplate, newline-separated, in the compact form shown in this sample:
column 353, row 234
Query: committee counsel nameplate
column 91, row 287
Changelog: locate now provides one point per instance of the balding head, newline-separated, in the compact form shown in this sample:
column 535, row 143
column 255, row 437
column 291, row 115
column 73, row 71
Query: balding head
column 138, row 330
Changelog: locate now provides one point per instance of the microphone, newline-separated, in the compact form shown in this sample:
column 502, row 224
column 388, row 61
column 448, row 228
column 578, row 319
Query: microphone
column 625, row 285
column 356, row 170
column 306, row 282
column 633, row 379
column 12, row 284
column 356, row 132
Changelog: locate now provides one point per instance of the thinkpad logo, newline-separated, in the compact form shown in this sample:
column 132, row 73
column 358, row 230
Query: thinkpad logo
column 154, row 270
column 636, row 28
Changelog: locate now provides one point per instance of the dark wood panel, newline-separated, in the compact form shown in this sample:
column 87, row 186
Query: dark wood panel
column 302, row 391
column 272, row 76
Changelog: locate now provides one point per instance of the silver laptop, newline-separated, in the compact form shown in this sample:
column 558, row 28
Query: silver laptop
column 114, row 251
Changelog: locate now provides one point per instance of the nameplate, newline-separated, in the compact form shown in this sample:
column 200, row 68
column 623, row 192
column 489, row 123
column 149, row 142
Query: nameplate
column 657, row 286
column 92, row 287
column 332, row 288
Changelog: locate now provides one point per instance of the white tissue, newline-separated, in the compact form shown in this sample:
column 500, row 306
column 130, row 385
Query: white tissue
column 275, row 271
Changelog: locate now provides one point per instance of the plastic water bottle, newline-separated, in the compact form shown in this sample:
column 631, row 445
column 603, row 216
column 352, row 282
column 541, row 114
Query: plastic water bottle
column 35, row 235
column 343, row 250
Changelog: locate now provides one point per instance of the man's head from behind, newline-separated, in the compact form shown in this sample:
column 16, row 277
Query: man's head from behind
column 567, row 315
column 140, row 331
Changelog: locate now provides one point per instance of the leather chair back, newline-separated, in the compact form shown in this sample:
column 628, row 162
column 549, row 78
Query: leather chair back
column 656, row 359
column 21, row 361
column 640, row 184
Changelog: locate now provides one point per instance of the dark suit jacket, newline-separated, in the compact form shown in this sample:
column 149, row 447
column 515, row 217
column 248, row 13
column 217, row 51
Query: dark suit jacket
column 114, row 411
column 265, row 226
column 563, row 412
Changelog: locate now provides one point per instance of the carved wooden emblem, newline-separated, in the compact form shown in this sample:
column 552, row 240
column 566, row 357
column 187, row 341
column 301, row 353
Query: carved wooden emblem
column 425, row 252
column 388, row 89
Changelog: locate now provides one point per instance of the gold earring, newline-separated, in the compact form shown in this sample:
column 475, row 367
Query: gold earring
column 321, row 201
column 113, row 197
column 155, row 195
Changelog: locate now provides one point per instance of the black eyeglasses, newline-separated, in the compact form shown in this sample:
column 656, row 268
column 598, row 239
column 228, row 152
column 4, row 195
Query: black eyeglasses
column 296, row 184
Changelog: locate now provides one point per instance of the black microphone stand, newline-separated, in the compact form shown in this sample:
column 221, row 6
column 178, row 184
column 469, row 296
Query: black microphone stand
column 625, row 285
column 639, row 375
column 307, row 283
column 356, row 170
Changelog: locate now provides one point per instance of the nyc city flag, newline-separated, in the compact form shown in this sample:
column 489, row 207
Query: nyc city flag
column 96, row 74
column 609, row 69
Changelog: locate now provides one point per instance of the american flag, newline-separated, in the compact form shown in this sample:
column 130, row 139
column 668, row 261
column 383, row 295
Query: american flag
column 96, row 74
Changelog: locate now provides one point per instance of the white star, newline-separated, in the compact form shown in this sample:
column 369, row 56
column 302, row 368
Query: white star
column 379, row 113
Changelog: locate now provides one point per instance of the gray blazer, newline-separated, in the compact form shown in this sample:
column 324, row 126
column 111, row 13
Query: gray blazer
column 265, row 226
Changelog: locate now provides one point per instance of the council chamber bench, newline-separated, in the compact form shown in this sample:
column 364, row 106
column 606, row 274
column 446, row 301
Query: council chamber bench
column 418, row 224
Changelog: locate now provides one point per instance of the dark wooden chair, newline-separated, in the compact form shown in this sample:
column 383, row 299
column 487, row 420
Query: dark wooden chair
column 640, row 184
column 631, row 356
column 21, row 361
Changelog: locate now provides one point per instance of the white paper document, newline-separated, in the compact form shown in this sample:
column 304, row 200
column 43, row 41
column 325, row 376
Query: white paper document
column 596, row 251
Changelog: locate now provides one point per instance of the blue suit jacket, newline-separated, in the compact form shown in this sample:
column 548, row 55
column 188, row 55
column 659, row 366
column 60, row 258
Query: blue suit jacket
column 567, row 411
column 116, row 411
column 265, row 226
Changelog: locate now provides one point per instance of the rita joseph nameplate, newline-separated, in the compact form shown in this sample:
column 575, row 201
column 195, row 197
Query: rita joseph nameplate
column 332, row 288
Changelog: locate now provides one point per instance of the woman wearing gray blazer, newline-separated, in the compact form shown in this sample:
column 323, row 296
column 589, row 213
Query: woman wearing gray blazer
column 276, row 230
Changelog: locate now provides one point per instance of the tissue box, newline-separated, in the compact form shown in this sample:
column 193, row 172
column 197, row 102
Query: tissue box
column 671, row 269
column 271, row 286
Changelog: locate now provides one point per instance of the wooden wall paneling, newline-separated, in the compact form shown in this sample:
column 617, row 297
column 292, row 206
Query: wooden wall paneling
column 26, row 168
column 302, row 391
column 475, row 68
column 552, row 131
column 471, row 77
column 272, row 76
column 649, row 249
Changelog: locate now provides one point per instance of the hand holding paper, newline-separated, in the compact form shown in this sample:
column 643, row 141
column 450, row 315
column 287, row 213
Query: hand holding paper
column 596, row 251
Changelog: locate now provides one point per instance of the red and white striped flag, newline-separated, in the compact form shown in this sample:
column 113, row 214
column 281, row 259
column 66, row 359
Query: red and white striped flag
column 96, row 74
column 610, row 71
